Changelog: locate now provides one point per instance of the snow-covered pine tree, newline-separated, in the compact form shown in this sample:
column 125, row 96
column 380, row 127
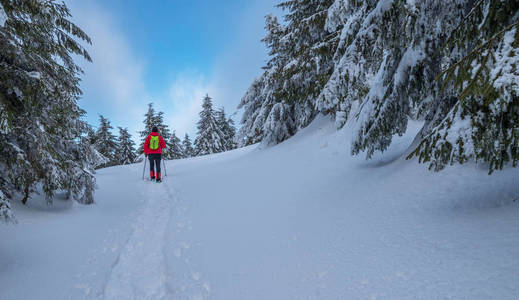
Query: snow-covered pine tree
column 106, row 142
column 231, row 135
column 308, row 49
column 345, row 18
column 149, row 122
column 266, row 117
column 482, row 121
column 283, row 98
column 449, row 63
column 175, row 147
column 226, row 126
column 165, row 133
column 390, row 56
column 188, row 147
column 5, row 209
column 253, row 118
column 125, row 152
column 386, row 62
column 91, row 135
column 210, row 138
column 40, row 123
column 159, row 122
column 82, row 183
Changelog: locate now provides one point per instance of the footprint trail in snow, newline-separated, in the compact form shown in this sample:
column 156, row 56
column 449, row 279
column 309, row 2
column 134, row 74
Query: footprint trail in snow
column 140, row 271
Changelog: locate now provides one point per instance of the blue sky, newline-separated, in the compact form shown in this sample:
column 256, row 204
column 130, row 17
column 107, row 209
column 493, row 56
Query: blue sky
column 171, row 53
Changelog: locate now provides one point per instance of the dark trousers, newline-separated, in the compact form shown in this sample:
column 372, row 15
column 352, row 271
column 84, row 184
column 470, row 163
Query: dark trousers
column 155, row 162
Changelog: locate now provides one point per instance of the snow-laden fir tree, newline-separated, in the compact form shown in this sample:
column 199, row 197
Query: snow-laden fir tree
column 227, row 128
column 449, row 63
column 210, row 138
column 149, row 122
column 188, row 147
column 386, row 62
column 308, row 49
column 253, row 117
column 41, row 130
column 175, row 147
column 91, row 135
column 125, row 152
column 158, row 120
column 231, row 134
column 282, row 99
column 258, row 124
column 6, row 213
column 106, row 142
column 165, row 133
column 390, row 59
column 82, row 184
column 151, row 119
column 483, row 118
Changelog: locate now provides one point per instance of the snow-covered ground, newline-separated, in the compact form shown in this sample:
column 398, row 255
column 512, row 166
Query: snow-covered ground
column 301, row 220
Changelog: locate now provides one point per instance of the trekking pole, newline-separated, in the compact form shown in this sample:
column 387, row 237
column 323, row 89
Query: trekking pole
column 144, row 168
column 165, row 171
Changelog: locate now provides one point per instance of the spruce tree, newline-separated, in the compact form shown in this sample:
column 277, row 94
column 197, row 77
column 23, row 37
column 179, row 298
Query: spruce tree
column 42, row 132
column 308, row 51
column 301, row 61
column 176, row 148
column 386, row 66
column 448, row 63
column 210, row 138
column 125, row 152
column 91, row 135
column 231, row 134
column 5, row 209
column 106, row 142
column 158, row 121
column 266, row 116
column 81, row 186
column 226, row 126
column 481, row 59
column 253, row 118
column 187, row 146
column 149, row 122
column 452, row 64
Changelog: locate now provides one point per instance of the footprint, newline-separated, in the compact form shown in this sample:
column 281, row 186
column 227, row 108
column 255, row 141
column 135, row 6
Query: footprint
column 198, row 297
column 207, row 287
column 177, row 252
column 196, row 276
column 322, row 274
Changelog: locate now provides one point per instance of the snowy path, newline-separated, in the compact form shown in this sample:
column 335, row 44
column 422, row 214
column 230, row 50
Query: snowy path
column 140, row 270
column 302, row 220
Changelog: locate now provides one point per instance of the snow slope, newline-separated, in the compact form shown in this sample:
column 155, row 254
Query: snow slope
column 301, row 220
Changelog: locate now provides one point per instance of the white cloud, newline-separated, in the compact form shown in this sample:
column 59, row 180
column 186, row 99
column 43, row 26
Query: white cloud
column 113, row 84
column 185, row 99
column 241, row 61
column 233, row 72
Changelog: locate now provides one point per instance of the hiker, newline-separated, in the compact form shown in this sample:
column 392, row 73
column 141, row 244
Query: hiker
column 153, row 151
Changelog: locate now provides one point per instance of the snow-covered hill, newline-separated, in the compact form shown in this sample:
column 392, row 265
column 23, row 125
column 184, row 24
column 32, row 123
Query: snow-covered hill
column 301, row 220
